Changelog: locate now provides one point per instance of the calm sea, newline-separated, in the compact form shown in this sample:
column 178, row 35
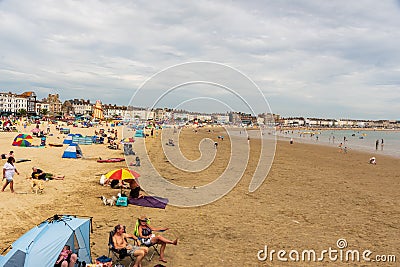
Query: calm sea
column 356, row 140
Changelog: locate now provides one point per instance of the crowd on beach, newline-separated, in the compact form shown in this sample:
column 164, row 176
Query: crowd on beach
column 343, row 146
column 145, row 235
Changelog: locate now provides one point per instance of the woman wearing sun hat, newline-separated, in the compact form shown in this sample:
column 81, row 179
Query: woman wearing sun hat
column 146, row 236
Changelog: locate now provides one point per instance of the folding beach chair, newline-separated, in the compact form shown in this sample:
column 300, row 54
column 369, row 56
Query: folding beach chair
column 118, row 255
column 153, row 246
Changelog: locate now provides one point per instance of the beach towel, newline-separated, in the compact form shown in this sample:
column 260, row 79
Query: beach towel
column 22, row 160
column 148, row 201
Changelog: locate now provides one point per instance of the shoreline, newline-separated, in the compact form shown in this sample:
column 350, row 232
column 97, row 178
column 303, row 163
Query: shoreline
column 289, row 128
column 304, row 140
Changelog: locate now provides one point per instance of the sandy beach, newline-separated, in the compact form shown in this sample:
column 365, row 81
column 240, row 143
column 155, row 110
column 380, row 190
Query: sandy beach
column 313, row 196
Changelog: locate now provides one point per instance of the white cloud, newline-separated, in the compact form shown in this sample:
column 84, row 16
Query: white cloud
column 319, row 58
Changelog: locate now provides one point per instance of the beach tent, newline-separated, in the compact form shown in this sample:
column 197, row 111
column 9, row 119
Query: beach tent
column 23, row 140
column 69, row 139
column 41, row 246
column 73, row 151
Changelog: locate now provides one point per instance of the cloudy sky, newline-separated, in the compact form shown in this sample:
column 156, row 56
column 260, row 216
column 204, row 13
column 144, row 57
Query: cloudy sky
column 331, row 59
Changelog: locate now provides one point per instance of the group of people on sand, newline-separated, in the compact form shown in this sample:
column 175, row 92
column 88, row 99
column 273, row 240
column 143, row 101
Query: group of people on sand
column 132, row 184
column 143, row 235
column 9, row 170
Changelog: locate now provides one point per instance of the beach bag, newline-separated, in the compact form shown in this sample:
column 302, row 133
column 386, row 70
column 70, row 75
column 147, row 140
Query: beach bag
column 103, row 259
column 122, row 202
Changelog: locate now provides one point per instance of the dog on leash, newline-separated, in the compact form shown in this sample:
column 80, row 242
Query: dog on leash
column 37, row 186
column 110, row 202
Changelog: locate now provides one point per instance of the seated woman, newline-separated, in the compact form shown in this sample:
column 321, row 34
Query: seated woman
column 135, row 189
column 146, row 236
column 66, row 258
column 39, row 174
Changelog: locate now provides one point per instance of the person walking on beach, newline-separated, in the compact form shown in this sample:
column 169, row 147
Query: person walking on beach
column 382, row 144
column 340, row 147
column 376, row 144
column 8, row 173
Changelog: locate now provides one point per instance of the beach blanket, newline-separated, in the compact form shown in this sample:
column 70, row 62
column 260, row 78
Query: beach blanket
column 148, row 201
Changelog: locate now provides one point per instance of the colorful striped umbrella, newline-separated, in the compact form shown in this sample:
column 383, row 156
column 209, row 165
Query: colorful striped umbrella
column 122, row 174
column 22, row 142
column 128, row 140
column 23, row 136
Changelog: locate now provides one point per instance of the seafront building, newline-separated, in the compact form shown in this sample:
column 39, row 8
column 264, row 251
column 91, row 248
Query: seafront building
column 27, row 104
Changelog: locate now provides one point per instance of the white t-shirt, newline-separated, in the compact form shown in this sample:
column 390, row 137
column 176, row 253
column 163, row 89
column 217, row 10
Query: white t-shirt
column 103, row 179
column 9, row 170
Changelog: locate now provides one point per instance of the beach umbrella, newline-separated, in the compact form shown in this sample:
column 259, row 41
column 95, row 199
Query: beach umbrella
column 127, row 140
column 122, row 174
column 23, row 136
column 22, row 143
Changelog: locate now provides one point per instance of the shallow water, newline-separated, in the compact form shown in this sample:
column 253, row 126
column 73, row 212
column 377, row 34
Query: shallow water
column 356, row 140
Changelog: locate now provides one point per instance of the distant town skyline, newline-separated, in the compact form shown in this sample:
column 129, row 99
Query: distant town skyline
column 325, row 59
column 11, row 103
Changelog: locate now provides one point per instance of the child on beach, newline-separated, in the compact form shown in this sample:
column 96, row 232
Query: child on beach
column 66, row 258
column 64, row 254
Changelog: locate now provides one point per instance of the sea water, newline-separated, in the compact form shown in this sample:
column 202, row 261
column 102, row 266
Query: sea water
column 360, row 140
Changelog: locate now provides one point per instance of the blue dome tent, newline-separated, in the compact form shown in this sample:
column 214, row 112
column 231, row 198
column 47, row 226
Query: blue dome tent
column 42, row 245
column 73, row 151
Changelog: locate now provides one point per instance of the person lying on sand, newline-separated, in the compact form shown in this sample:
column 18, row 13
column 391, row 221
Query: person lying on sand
column 39, row 174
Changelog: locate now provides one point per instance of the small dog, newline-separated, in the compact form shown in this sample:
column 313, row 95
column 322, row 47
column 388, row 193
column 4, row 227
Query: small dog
column 37, row 186
column 110, row 202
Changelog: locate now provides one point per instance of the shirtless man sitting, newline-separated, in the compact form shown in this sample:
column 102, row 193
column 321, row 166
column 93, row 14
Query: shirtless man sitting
column 119, row 240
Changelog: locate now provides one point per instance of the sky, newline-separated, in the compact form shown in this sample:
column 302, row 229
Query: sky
column 326, row 59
